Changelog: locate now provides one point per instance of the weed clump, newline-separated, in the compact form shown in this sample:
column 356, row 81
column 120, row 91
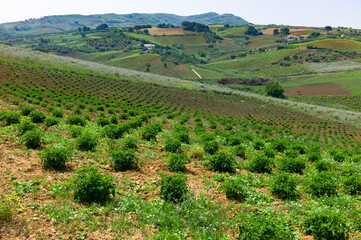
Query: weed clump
column 235, row 188
column 10, row 117
column 173, row 187
column 322, row 184
column 92, row 186
column 240, row 151
column 56, row 157
column 130, row 142
column 292, row 165
column 211, row 147
column 123, row 159
column 26, row 126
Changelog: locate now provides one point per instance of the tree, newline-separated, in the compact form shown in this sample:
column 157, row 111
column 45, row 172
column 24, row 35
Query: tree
column 103, row 26
column 285, row 31
column 253, row 31
column 328, row 29
column 276, row 31
column 273, row 89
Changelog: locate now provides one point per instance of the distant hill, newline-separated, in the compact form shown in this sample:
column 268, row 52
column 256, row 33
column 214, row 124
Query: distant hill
column 61, row 23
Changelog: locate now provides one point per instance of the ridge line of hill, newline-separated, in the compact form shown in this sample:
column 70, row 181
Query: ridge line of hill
column 349, row 117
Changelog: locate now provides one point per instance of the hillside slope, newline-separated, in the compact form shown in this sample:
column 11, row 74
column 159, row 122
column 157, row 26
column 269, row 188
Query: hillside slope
column 61, row 23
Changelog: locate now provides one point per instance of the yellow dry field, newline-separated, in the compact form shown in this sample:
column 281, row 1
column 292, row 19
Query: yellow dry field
column 168, row 31
column 298, row 31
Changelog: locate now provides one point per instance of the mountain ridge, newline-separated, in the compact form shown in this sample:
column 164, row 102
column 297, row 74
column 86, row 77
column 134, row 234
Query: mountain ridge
column 62, row 23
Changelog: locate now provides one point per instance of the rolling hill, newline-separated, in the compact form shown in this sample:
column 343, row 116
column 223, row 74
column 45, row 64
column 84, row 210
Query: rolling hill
column 62, row 23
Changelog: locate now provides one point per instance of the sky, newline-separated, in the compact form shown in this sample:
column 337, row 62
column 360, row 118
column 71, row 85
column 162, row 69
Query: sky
column 318, row 13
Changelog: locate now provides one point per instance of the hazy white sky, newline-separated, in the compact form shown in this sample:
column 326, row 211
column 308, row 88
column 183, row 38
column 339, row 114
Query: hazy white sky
column 294, row 12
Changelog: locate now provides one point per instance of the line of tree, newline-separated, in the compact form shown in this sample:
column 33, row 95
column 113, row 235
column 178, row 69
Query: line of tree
column 164, row 25
column 194, row 27
column 138, row 27
column 253, row 31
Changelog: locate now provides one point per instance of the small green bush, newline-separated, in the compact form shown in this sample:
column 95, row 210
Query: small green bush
column 26, row 126
column 130, row 142
column 284, row 185
column 352, row 184
column 299, row 147
column 56, row 157
column 113, row 120
column 103, row 122
column 172, row 145
column 260, row 164
column 75, row 131
column 269, row 152
column 261, row 226
column 235, row 188
column 33, row 138
column 76, row 120
column 113, row 131
column 58, row 113
column 10, row 117
column 26, row 110
column 326, row 223
column 279, row 145
column 182, row 136
column 6, row 212
column 37, row 116
column 322, row 184
column 176, row 162
column 292, row 165
column 87, row 141
column 323, row 165
column 91, row 186
column 258, row 144
column 173, row 187
column 223, row 162
column 151, row 131
column 211, row 147
column 240, row 151
column 51, row 121
column 234, row 140
column 123, row 159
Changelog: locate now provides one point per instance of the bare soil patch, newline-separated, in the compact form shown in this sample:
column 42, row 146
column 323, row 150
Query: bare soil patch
column 320, row 89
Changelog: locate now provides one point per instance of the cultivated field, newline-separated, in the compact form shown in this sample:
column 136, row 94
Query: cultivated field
column 321, row 89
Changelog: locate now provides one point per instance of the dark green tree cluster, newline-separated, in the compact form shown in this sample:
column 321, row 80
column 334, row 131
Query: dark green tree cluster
column 273, row 89
column 253, row 31
column 194, row 27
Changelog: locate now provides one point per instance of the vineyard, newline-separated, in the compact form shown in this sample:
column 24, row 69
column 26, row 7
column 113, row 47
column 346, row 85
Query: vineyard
column 92, row 155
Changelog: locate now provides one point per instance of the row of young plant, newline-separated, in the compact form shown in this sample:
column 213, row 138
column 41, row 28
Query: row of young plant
column 293, row 171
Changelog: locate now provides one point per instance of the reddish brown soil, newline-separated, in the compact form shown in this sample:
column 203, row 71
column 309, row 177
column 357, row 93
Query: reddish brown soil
column 168, row 31
column 320, row 89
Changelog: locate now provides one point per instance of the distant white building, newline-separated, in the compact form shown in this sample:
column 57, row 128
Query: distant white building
column 149, row 46
column 292, row 38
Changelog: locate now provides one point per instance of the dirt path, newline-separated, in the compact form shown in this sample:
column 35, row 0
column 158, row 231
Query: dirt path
column 197, row 73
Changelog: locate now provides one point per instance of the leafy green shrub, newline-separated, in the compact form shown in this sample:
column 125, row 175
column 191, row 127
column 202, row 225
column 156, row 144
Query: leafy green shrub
column 292, row 165
column 51, row 121
column 339, row 157
column 284, row 185
column 299, row 147
column 91, row 186
column 26, row 126
column 33, row 138
column 113, row 131
column 258, row 144
column 269, row 152
column 75, row 131
column 240, row 151
column 211, row 147
column 323, row 165
column 113, row 120
column 130, row 142
column 10, row 117
column 233, row 140
column 37, row 116
column 103, row 122
column 182, row 136
column 58, row 113
column 176, row 162
column 151, row 131
column 87, row 141
column 261, row 226
column 279, row 145
column 260, row 164
column 314, row 156
column 123, row 159
column 76, row 120
column 56, row 157
column 273, row 89
column 223, row 162
column 291, row 153
column 322, row 184
column 26, row 110
column 235, row 188
column 326, row 222
column 352, row 184
column 173, row 187
column 172, row 145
